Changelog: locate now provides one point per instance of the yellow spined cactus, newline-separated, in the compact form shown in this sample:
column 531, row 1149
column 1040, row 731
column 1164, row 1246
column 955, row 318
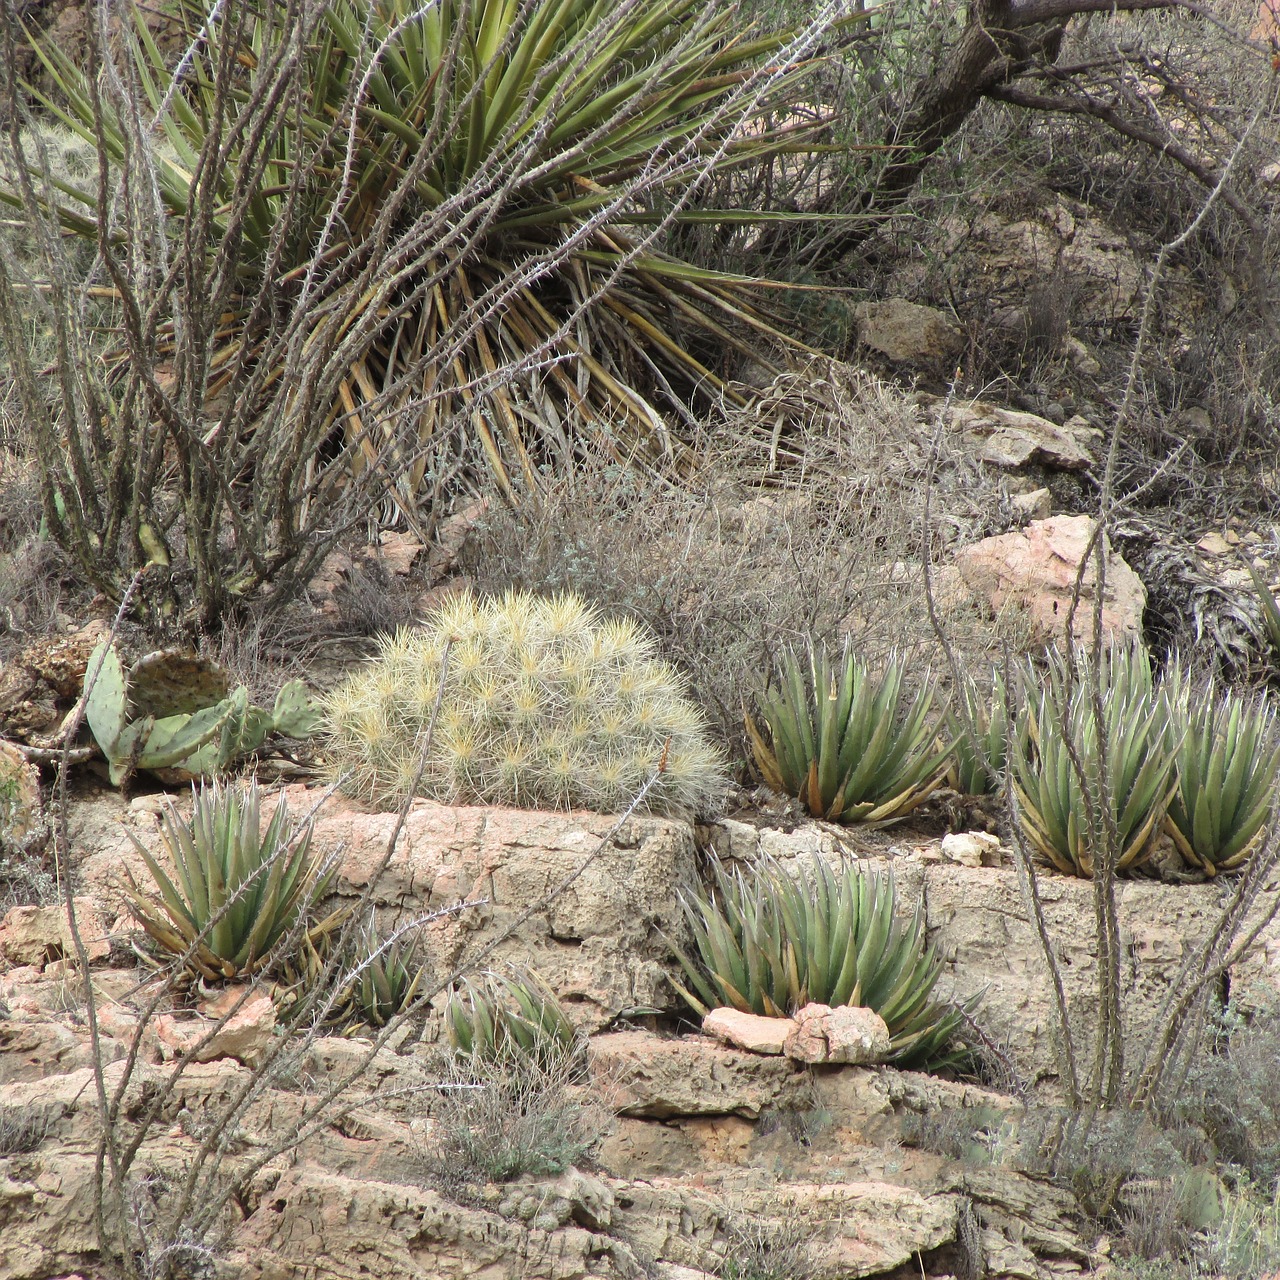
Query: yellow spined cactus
column 545, row 704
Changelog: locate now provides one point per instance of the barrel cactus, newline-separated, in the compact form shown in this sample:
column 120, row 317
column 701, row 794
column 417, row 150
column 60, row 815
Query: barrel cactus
column 545, row 704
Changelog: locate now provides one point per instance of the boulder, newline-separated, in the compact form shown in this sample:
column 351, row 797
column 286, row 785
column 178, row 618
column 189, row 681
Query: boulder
column 907, row 333
column 748, row 1031
column 1009, row 439
column 246, row 1035
column 1032, row 574
column 846, row 1034
column 40, row 935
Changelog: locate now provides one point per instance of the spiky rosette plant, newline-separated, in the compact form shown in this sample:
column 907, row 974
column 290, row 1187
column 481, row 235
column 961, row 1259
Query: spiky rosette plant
column 771, row 941
column 501, row 1016
column 543, row 703
column 1228, row 765
column 851, row 746
column 375, row 229
column 980, row 729
column 1082, row 781
column 235, row 891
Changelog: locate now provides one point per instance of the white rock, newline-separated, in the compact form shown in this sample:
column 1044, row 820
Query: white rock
column 972, row 849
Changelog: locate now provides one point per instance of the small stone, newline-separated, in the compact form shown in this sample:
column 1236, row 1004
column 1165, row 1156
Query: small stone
column 972, row 849
column 1036, row 505
column 1232, row 538
column 1055, row 413
column 847, row 1034
column 749, row 1031
column 1213, row 544
column 1081, row 358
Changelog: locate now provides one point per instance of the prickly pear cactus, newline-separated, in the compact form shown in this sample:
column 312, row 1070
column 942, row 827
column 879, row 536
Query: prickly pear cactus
column 215, row 728
column 543, row 703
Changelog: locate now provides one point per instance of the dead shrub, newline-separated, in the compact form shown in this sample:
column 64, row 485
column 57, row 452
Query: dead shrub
column 764, row 1248
column 1233, row 1097
column 503, row 1120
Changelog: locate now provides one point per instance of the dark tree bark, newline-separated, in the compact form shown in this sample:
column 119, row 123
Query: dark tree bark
column 1001, row 41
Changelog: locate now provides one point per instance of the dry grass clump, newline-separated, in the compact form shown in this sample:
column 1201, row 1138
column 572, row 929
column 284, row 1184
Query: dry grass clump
column 506, row 1119
column 805, row 518
column 22, row 1130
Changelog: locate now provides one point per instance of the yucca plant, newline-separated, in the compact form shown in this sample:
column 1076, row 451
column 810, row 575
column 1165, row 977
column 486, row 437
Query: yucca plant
column 850, row 746
column 236, row 891
column 386, row 228
column 980, row 731
column 1228, row 765
column 769, row 942
column 500, row 1015
column 1060, row 739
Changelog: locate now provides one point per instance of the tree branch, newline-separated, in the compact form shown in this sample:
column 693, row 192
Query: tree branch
column 1127, row 127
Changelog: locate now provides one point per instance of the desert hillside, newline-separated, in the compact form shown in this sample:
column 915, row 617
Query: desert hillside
column 639, row 640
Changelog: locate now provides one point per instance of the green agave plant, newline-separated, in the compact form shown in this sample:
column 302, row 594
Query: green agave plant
column 1061, row 814
column 527, row 127
column 1228, row 766
column 770, row 942
column 236, row 891
column 981, row 736
column 388, row 979
column 495, row 1015
column 1270, row 610
column 848, row 746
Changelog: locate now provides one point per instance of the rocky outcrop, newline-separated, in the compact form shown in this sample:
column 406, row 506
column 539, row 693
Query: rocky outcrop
column 977, row 920
column 356, row 1190
column 480, row 879
column 658, row 1078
